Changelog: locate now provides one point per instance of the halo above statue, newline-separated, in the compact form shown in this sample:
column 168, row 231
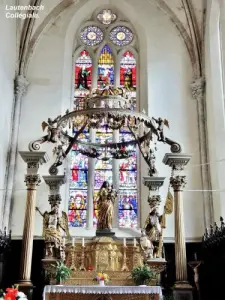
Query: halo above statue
column 112, row 109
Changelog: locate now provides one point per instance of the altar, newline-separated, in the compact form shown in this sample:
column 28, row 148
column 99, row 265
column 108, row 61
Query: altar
column 67, row 292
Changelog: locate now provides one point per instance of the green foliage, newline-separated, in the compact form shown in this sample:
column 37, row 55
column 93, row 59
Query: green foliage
column 62, row 272
column 142, row 275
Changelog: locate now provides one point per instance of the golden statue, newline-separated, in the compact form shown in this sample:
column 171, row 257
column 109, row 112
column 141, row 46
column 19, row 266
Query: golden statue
column 106, row 199
column 53, row 226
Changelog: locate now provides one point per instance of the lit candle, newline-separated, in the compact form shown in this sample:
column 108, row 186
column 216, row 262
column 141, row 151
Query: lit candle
column 73, row 242
column 124, row 242
column 135, row 243
column 82, row 242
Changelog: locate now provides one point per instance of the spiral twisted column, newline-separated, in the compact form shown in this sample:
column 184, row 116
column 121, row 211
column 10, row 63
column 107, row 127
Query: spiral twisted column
column 32, row 179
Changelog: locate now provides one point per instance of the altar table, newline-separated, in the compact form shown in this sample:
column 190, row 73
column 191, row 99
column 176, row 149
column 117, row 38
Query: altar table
column 66, row 292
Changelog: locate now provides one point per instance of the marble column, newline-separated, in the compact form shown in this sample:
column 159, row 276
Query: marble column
column 32, row 179
column 91, row 180
column 20, row 87
column 178, row 181
column 116, row 180
column 198, row 94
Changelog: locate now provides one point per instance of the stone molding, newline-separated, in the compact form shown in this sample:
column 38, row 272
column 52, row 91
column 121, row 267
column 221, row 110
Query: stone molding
column 20, row 85
column 176, row 161
column 32, row 179
column 153, row 183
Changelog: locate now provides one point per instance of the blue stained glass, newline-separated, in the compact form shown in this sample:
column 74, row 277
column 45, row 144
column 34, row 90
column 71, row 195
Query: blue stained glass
column 78, row 199
column 121, row 36
column 79, row 161
column 128, row 218
column 101, row 176
column 77, row 218
column 91, row 35
column 129, row 163
column 128, row 179
column 128, row 200
column 103, row 137
column 105, row 67
column 78, row 179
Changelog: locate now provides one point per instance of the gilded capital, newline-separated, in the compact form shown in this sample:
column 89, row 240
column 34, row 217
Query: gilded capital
column 198, row 88
column 178, row 182
column 32, row 179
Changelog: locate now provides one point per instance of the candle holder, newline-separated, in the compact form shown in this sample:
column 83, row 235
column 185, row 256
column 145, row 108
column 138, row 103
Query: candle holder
column 124, row 266
column 82, row 267
column 73, row 266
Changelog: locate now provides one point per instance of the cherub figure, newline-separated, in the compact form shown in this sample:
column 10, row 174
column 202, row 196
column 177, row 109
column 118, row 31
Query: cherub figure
column 146, row 245
column 54, row 224
column 52, row 129
column 159, row 130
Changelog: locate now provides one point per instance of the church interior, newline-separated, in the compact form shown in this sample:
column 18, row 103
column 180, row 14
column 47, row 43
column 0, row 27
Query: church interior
column 112, row 157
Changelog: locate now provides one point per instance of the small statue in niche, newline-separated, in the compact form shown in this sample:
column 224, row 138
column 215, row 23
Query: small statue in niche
column 159, row 130
column 153, row 225
column 82, row 78
column 146, row 245
column 53, row 226
column 151, row 159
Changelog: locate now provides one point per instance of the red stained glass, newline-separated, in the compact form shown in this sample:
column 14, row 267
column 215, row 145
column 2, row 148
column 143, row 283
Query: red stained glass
column 83, row 71
column 128, row 70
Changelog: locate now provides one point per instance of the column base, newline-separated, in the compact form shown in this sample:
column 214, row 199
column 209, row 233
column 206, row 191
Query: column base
column 182, row 291
column 27, row 288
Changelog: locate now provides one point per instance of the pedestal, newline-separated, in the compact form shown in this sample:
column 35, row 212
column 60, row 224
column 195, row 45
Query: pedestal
column 158, row 266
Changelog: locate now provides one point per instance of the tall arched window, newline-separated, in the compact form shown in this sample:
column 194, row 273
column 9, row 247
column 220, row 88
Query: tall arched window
column 104, row 57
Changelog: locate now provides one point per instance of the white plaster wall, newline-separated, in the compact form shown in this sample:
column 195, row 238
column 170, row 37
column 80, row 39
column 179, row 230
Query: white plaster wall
column 215, row 107
column 7, row 74
column 165, row 77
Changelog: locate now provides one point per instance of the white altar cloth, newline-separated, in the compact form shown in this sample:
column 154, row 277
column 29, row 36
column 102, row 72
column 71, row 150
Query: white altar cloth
column 95, row 289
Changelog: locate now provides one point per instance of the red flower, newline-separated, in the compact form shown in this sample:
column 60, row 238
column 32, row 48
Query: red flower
column 11, row 294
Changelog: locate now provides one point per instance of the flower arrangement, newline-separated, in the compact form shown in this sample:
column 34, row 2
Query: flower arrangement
column 102, row 277
column 12, row 294
column 61, row 272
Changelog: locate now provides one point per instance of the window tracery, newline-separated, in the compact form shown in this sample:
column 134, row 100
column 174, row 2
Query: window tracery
column 106, row 68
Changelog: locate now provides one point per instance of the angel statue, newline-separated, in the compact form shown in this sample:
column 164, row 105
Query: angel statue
column 54, row 224
column 106, row 199
column 159, row 129
column 52, row 129
column 146, row 245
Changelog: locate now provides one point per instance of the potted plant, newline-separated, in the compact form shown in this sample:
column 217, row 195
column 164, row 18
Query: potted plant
column 62, row 272
column 142, row 275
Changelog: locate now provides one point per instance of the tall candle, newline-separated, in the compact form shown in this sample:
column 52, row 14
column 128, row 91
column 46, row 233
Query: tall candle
column 73, row 242
column 135, row 243
column 124, row 242
column 82, row 242
column 64, row 241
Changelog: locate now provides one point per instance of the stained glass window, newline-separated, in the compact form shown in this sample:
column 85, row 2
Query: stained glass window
column 83, row 78
column 91, row 35
column 121, row 36
column 106, row 16
column 105, row 67
column 128, row 71
column 128, row 202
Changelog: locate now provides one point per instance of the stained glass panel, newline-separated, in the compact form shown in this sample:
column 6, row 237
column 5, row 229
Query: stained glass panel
column 78, row 179
column 121, row 36
column 105, row 67
column 106, row 16
column 128, row 71
column 128, row 200
column 128, row 218
column 103, row 165
column 103, row 137
column 91, row 35
column 83, row 73
column 101, row 176
column 79, row 161
column 128, row 179
column 77, row 218
column 78, row 199
column 129, row 163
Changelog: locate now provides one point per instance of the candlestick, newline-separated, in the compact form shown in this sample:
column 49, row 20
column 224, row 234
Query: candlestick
column 73, row 242
column 64, row 241
column 124, row 242
column 195, row 256
column 82, row 242
column 135, row 243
